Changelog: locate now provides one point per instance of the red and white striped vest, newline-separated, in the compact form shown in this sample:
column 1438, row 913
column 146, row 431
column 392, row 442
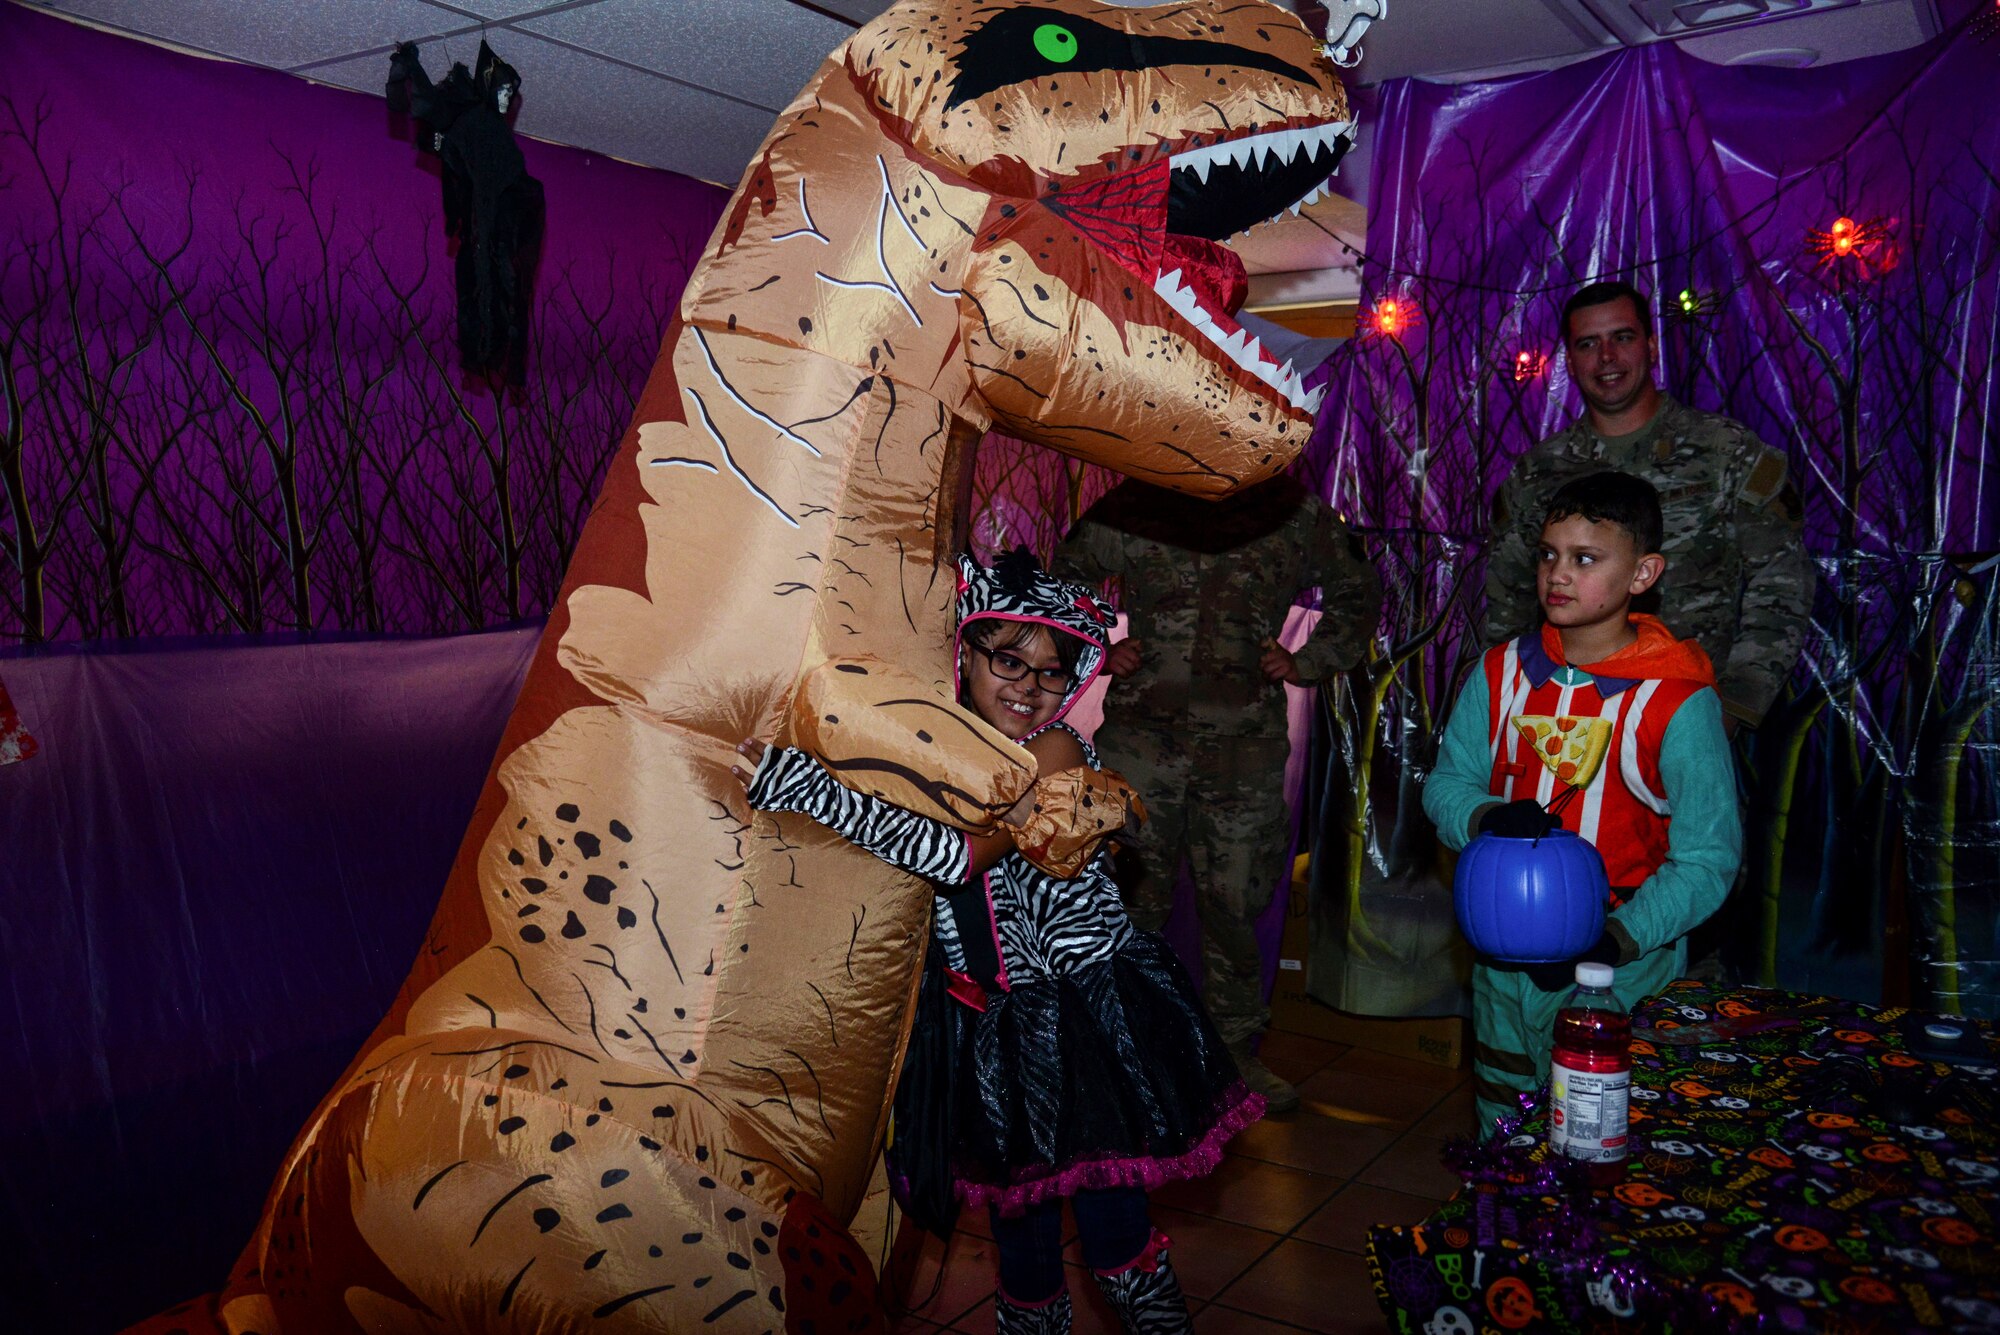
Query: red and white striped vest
column 1624, row 812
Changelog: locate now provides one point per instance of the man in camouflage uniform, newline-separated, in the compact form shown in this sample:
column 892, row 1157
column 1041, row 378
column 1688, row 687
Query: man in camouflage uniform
column 1738, row 579
column 1197, row 720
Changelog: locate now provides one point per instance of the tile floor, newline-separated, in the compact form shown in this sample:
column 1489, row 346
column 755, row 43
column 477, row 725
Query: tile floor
column 1272, row 1241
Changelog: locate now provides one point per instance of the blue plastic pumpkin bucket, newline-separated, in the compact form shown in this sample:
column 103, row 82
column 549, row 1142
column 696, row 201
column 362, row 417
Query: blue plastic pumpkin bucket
column 1530, row 901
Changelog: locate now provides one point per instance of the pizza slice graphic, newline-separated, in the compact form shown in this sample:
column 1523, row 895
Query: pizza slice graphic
column 1571, row 747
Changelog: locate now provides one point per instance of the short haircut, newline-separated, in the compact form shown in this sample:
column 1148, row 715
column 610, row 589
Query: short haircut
column 1611, row 498
column 1603, row 293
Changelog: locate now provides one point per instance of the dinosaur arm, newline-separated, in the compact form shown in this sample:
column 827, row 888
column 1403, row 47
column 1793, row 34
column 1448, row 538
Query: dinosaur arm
column 887, row 733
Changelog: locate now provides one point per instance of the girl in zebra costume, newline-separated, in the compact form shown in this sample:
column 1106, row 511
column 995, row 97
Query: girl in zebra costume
column 1058, row 1052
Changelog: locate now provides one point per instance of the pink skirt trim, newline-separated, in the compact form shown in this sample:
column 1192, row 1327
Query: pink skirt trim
column 1241, row 1108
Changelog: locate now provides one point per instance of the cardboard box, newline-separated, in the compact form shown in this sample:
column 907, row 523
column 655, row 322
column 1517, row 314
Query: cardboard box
column 1440, row 1040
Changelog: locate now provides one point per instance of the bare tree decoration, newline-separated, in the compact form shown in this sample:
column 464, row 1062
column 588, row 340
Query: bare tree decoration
column 235, row 408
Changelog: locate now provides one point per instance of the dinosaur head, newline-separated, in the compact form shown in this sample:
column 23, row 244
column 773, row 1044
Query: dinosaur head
column 1117, row 149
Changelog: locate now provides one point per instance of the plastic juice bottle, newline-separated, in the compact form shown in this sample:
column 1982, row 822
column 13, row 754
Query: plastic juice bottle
column 1590, row 1077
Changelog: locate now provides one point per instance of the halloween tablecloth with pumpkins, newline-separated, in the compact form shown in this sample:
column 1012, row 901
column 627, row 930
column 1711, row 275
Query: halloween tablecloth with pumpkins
column 1798, row 1163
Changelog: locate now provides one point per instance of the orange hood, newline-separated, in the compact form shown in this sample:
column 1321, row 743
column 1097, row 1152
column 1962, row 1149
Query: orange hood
column 1657, row 655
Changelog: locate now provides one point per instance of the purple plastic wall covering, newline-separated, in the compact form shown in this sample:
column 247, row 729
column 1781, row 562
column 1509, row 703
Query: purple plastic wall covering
column 227, row 318
column 1872, row 865
column 213, row 878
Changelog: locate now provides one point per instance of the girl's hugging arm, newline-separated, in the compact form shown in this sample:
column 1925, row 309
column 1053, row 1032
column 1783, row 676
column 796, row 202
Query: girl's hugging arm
column 790, row 780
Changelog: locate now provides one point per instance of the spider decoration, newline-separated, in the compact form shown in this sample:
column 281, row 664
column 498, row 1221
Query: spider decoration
column 1846, row 239
column 1909, row 1097
column 1392, row 317
column 1691, row 305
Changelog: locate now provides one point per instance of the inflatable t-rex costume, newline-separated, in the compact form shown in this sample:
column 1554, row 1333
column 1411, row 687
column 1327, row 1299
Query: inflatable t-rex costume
column 638, row 1077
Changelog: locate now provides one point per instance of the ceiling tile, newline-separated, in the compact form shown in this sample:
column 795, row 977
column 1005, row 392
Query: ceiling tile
column 572, row 97
column 474, row 10
column 761, row 51
column 1439, row 36
column 858, row 10
column 277, row 35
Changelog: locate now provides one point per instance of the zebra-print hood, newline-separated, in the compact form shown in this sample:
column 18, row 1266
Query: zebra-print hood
column 1016, row 588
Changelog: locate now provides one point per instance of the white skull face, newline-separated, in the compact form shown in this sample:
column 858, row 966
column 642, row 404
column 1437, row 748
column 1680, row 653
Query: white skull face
column 1927, row 1206
column 502, row 96
column 1791, row 1286
column 1680, row 1149
column 1924, row 1132
column 1718, row 1055
column 1604, row 1293
column 1972, row 1168
column 1687, row 1212
column 1450, row 1321
column 1731, row 1101
column 1976, row 1311
column 1692, row 1012
column 1521, row 1142
column 1645, row 1095
column 1824, row 1153
column 1914, row 1257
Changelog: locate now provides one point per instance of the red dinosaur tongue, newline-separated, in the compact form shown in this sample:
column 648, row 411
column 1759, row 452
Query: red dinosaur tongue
column 1126, row 216
column 1214, row 271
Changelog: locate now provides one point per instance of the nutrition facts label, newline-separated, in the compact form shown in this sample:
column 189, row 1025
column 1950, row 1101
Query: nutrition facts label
column 1587, row 1112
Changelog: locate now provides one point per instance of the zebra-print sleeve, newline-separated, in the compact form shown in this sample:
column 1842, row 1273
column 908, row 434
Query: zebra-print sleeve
column 791, row 780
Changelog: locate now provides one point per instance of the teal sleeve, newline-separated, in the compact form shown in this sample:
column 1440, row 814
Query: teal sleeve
column 1461, row 785
column 1704, row 833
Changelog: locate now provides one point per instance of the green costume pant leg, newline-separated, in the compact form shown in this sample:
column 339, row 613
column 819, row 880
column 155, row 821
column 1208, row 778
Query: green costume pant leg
column 1513, row 1026
column 1149, row 862
column 1239, row 836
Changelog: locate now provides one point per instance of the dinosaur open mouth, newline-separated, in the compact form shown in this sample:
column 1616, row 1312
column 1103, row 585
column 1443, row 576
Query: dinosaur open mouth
column 1164, row 223
column 1219, row 190
column 1222, row 189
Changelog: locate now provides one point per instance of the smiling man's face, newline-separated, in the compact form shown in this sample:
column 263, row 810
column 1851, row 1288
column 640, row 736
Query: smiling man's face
column 1610, row 351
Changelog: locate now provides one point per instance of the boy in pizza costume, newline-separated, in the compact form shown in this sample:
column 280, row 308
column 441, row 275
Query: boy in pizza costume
column 1606, row 723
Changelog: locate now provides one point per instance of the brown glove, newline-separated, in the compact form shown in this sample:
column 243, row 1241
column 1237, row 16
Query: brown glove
column 1070, row 815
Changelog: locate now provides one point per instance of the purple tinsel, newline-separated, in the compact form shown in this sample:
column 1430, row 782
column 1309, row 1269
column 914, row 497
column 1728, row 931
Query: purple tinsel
column 1522, row 1193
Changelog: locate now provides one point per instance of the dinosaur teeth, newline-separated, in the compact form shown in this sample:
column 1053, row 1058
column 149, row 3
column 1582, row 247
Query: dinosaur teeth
column 1272, row 146
column 1241, row 347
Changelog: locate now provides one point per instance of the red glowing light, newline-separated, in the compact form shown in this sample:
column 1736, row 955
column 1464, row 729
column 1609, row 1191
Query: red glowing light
column 1528, row 365
column 1865, row 244
column 1392, row 317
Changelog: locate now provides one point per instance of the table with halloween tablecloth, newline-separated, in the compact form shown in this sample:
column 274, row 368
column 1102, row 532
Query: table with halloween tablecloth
column 1796, row 1164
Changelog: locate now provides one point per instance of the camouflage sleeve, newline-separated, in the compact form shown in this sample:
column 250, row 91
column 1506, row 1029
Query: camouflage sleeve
column 1777, row 593
column 1091, row 554
column 1511, row 609
column 1350, row 596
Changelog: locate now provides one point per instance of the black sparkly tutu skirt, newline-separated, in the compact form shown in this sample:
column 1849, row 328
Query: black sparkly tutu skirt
column 1111, row 1076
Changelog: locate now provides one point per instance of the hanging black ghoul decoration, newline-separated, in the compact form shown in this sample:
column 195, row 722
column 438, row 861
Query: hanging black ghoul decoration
column 492, row 207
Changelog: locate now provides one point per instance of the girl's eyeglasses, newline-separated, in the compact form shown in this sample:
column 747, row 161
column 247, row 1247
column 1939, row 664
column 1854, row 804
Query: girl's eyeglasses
column 1008, row 667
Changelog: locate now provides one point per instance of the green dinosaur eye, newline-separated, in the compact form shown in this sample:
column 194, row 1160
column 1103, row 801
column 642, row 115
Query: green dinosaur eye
column 1056, row 43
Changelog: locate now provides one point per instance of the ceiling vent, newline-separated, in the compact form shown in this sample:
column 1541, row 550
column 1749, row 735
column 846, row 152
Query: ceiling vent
column 1684, row 18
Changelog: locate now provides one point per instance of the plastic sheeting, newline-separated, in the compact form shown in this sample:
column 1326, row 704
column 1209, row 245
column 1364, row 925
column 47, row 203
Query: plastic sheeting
column 213, row 876
column 1875, row 827
column 226, row 308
